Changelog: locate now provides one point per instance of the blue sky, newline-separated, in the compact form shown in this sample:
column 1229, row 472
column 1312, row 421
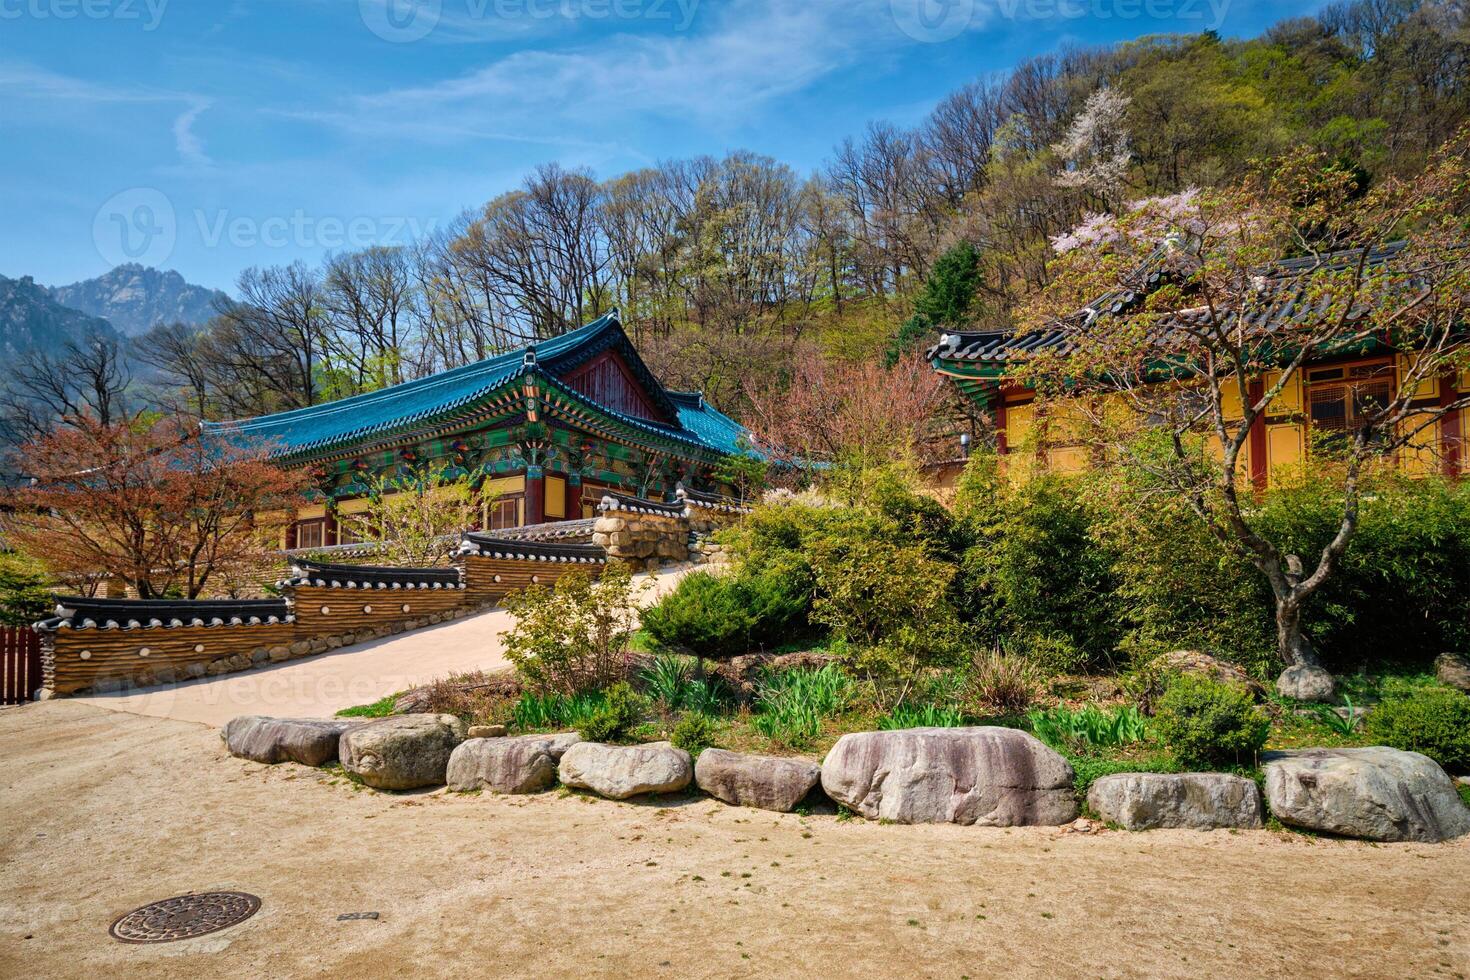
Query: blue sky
column 211, row 135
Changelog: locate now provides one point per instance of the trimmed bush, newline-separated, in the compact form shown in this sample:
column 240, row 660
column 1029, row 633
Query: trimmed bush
column 619, row 713
column 1434, row 722
column 1207, row 723
column 694, row 733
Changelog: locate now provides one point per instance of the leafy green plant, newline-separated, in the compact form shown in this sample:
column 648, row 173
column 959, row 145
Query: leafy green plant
column 1001, row 684
column 694, row 733
column 1343, row 725
column 1205, row 722
column 791, row 705
column 706, row 615
column 669, row 681
column 1434, row 722
column 619, row 714
column 381, row 708
column 25, row 593
column 921, row 716
column 1088, row 727
column 572, row 637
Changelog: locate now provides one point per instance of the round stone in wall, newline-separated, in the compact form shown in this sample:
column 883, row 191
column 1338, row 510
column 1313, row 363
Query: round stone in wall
column 326, row 610
column 199, row 648
column 86, row 654
column 497, row 578
column 184, row 917
column 405, row 607
column 144, row 652
column 367, row 609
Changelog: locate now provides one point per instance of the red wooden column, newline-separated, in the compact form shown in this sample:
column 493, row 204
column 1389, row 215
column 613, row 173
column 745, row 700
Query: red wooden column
column 573, row 507
column 1259, row 468
column 535, row 495
column 1451, row 449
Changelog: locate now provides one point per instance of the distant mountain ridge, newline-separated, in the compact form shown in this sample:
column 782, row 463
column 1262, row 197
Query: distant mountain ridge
column 136, row 298
column 31, row 317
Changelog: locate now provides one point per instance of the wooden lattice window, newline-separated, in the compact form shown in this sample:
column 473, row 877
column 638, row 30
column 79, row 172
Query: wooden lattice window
column 1342, row 399
column 503, row 512
column 311, row 534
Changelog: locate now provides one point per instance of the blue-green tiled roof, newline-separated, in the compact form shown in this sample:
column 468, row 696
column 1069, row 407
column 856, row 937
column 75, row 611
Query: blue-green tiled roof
column 343, row 422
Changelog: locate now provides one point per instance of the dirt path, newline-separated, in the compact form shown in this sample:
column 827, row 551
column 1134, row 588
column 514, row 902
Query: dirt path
column 320, row 686
column 103, row 811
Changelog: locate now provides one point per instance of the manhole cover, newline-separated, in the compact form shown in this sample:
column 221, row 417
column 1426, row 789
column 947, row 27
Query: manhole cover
column 184, row 917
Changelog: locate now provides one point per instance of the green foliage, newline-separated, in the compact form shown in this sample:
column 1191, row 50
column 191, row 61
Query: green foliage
column 381, row 708
column 1340, row 725
column 670, row 681
column 921, row 716
column 1001, row 684
column 791, row 705
column 537, row 712
column 1207, row 723
column 716, row 616
column 25, row 595
column 1089, row 727
column 1090, row 768
column 1434, row 722
column 619, row 714
column 573, row 636
column 694, row 733
column 944, row 301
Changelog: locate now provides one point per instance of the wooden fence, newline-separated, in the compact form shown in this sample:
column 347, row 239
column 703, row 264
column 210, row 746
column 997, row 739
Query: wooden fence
column 20, row 663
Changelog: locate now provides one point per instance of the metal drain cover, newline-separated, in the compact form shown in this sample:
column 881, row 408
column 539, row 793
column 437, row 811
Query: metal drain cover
column 184, row 917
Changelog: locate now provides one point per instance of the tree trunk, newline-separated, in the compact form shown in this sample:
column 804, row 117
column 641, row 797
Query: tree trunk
column 1293, row 644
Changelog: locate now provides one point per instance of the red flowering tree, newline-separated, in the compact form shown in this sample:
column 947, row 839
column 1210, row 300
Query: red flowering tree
column 149, row 503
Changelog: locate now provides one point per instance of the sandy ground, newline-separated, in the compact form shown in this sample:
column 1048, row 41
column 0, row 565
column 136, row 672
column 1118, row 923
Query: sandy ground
column 101, row 812
column 320, row 686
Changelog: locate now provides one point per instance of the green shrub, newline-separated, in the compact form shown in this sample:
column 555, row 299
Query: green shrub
column 791, row 705
column 25, row 595
column 541, row 711
column 706, row 615
column 1089, row 727
column 670, row 681
column 572, row 637
column 694, row 733
column 1207, row 723
column 921, row 716
column 1090, row 768
column 1434, row 722
column 618, row 715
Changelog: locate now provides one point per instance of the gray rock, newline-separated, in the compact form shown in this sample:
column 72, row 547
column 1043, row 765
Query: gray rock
column 526, row 764
column 619, row 771
column 1376, row 793
column 402, row 751
column 1306, row 683
column 309, row 741
column 1453, row 669
column 762, row 781
column 1189, row 801
column 994, row 777
column 489, row 731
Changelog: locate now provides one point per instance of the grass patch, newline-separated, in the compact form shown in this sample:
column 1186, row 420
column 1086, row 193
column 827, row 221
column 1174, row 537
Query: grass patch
column 381, row 708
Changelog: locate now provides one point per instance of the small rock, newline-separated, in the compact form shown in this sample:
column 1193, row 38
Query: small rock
column 1306, row 683
column 487, row 731
column 1189, row 801
column 1453, row 669
column 279, row 653
column 309, row 741
column 993, row 777
column 402, row 751
column 526, row 764
column 1083, row 826
column 1376, row 793
column 762, row 781
column 618, row 771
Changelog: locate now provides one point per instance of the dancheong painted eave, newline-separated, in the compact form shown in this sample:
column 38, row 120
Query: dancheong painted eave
column 442, row 400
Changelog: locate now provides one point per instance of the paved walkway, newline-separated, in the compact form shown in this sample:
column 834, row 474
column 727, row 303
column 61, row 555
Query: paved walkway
column 320, row 686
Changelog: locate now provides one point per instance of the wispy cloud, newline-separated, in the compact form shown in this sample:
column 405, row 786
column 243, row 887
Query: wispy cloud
column 186, row 141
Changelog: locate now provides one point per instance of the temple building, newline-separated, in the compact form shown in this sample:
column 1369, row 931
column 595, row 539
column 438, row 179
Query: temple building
column 542, row 433
column 1324, row 397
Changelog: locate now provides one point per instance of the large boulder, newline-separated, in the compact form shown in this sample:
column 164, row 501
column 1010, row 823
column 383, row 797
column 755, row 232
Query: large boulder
column 1375, row 793
column 1306, row 683
column 995, row 777
column 621, row 771
column 762, row 781
column 402, row 751
column 309, row 741
column 1453, row 669
column 1188, row 801
column 525, row 764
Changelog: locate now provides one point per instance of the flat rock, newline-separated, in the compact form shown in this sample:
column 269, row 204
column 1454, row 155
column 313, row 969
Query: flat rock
column 309, row 741
column 621, row 771
column 1305, row 683
column 1453, row 669
column 762, row 781
column 525, row 764
column 486, row 731
column 994, row 777
column 1376, row 793
column 1188, row 801
column 401, row 751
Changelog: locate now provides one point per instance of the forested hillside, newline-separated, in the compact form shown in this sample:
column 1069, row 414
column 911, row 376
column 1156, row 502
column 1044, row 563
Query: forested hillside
column 729, row 270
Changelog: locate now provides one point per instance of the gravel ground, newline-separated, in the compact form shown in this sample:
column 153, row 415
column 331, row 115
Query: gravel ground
column 102, row 811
